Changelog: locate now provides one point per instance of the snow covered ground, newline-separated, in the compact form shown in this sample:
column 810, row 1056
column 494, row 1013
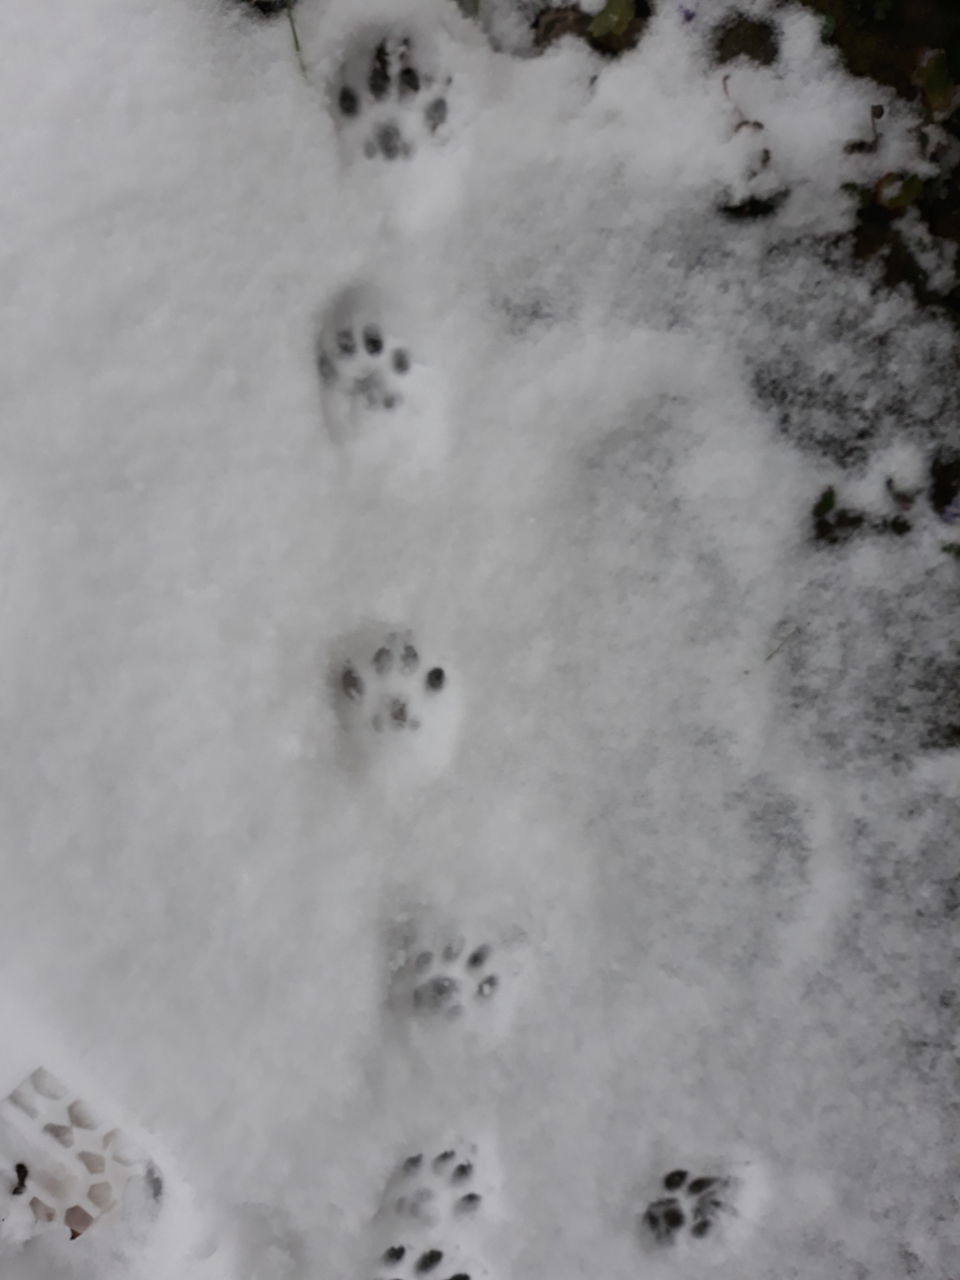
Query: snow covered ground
column 681, row 786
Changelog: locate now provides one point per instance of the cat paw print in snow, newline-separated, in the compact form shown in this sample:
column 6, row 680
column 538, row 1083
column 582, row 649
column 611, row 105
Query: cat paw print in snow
column 442, row 978
column 381, row 400
column 66, row 1169
column 444, row 983
column 437, row 1204
column 693, row 1209
column 391, row 99
column 399, row 710
column 371, row 369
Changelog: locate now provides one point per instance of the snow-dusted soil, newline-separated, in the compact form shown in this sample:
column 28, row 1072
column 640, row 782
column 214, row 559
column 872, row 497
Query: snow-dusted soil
column 681, row 788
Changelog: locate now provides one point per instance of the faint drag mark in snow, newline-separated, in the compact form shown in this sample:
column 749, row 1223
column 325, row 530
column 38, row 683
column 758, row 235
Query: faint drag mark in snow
column 266, row 1243
column 248, row 1241
column 382, row 402
column 399, row 709
column 803, row 866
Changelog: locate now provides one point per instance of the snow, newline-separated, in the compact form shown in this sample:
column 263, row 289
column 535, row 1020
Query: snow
column 702, row 778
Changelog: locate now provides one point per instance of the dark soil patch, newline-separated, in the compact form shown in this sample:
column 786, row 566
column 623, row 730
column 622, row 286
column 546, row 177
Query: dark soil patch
column 267, row 8
column 883, row 39
column 945, row 484
column 914, row 47
column 743, row 37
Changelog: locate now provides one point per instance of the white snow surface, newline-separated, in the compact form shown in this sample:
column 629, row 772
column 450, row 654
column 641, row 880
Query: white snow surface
column 685, row 773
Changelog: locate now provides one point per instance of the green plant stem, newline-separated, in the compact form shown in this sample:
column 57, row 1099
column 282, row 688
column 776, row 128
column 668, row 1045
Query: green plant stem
column 298, row 48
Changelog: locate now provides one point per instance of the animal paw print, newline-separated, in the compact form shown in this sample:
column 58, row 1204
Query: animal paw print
column 432, row 1207
column 468, row 978
column 388, row 100
column 68, row 1167
column 368, row 367
column 695, row 1208
column 392, row 690
column 693, row 1205
column 400, row 711
column 456, row 976
column 382, row 404
column 438, row 1188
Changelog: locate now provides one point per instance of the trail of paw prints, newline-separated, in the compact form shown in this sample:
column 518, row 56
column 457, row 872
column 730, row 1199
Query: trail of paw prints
column 448, row 977
column 390, row 99
column 436, row 1206
column 381, row 400
column 705, row 1210
column 399, row 708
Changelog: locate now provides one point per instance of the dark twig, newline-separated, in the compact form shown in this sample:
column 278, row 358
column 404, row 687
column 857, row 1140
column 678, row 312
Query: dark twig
column 298, row 48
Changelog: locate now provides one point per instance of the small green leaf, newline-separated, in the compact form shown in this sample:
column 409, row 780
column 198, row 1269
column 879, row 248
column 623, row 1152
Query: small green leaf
column 613, row 19
column 825, row 503
column 897, row 191
column 828, row 29
column 297, row 47
column 952, row 549
column 933, row 76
